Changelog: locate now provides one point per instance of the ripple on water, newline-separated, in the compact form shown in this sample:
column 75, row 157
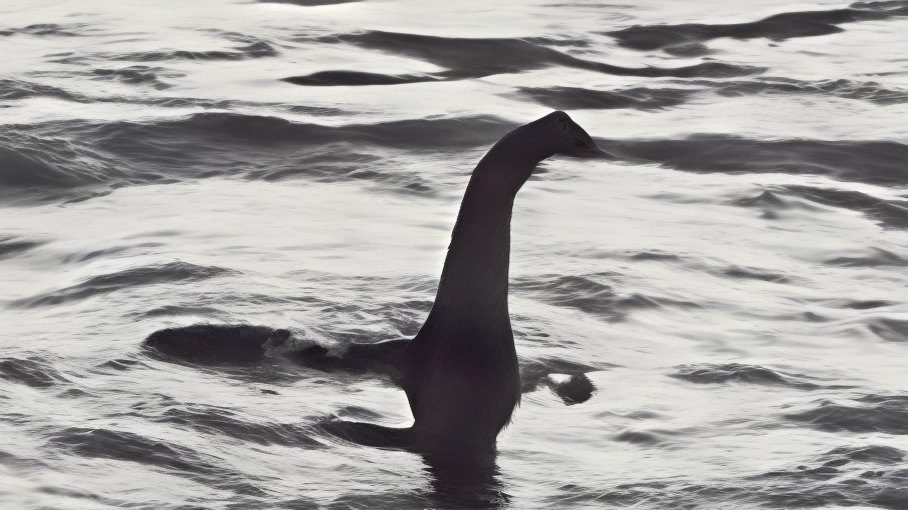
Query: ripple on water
column 468, row 58
column 134, row 75
column 129, row 447
column 256, row 49
column 222, row 422
column 872, row 162
column 877, row 257
column 309, row 3
column 889, row 213
column 755, row 274
column 748, row 374
column 129, row 278
column 891, row 330
column 126, row 446
column 35, row 372
column 48, row 158
column 638, row 98
column 589, row 296
column 687, row 39
column 46, row 29
column 879, row 413
column 11, row 246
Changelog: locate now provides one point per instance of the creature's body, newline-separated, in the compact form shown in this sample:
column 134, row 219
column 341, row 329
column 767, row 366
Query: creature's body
column 460, row 372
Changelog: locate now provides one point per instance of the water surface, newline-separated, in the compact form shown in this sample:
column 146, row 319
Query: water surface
column 734, row 282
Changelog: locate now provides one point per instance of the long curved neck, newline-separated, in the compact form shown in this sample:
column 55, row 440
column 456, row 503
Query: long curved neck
column 474, row 283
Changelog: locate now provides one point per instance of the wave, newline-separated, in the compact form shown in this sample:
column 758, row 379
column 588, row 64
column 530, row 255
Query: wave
column 891, row 330
column 34, row 372
column 589, row 296
column 638, row 98
column 860, row 481
column 172, row 138
column 846, row 89
column 222, row 422
column 72, row 154
column 180, row 310
column 466, row 58
column 31, row 160
column 356, row 78
column 650, row 255
column 872, row 162
column 15, row 89
column 883, row 455
column 12, row 246
column 259, row 49
column 120, row 445
column 882, row 414
column 739, row 373
column 83, row 256
column 877, row 257
column 651, row 98
column 129, row 447
column 18, row 89
column 888, row 213
column 869, row 304
column 45, row 29
column 309, row 3
column 687, row 39
column 112, row 282
column 134, row 75
column 750, row 274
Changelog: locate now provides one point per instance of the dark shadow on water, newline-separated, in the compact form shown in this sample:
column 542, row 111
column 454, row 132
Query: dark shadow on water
column 459, row 484
column 11, row 246
column 638, row 98
column 687, row 39
column 871, row 162
column 458, row 479
column 112, row 282
column 466, row 58
column 309, row 3
column 34, row 372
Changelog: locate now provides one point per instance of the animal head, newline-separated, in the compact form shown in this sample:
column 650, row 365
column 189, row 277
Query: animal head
column 571, row 139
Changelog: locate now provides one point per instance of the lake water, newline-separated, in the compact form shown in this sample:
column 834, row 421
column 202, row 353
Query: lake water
column 735, row 282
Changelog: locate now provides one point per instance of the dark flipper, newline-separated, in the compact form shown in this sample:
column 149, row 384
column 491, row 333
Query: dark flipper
column 209, row 343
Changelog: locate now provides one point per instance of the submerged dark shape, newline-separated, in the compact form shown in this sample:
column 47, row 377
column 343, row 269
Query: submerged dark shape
column 209, row 343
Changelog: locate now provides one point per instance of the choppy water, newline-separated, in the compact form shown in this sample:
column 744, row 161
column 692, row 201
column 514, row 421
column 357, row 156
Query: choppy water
column 735, row 282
